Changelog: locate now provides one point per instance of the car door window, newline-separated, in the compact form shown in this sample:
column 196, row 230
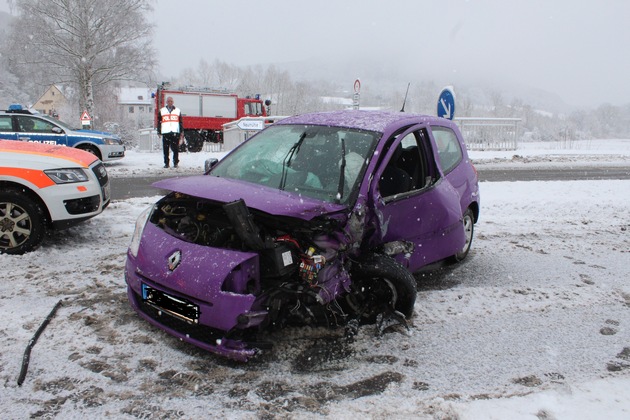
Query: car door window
column 5, row 124
column 449, row 149
column 34, row 125
column 409, row 168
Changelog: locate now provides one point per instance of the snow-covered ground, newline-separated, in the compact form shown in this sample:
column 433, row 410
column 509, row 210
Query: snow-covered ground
column 533, row 154
column 535, row 324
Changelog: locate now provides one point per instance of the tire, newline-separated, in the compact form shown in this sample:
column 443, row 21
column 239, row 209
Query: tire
column 194, row 141
column 468, row 221
column 22, row 223
column 92, row 149
column 378, row 283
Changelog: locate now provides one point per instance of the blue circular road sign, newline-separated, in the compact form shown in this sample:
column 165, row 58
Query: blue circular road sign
column 446, row 103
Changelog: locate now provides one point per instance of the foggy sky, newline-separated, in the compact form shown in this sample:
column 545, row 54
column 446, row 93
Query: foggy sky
column 577, row 49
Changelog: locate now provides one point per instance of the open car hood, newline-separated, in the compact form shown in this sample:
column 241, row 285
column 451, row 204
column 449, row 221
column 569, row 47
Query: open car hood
column 259, row 197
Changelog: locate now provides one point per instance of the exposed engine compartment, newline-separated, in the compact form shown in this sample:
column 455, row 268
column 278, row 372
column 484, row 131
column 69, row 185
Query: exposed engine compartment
column 285, row 245
column 299, row 284
column 290, row 261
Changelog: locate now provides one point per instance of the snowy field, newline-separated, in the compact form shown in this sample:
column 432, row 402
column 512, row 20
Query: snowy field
column 535, row 324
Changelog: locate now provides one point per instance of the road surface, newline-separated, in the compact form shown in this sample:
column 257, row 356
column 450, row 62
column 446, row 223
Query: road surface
column 128, row 187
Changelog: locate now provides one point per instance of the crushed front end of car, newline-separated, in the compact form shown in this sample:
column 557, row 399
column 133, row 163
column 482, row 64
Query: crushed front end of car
column 217, row 274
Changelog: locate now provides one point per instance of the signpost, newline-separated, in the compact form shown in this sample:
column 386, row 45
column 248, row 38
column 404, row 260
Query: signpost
column 85, row 118
column 357, row 94
column 446, row 103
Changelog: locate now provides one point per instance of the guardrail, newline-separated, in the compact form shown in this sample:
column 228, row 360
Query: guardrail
column 489, row 133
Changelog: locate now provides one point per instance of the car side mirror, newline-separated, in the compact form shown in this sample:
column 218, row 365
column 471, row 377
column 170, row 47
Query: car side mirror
column 57, row 130
column 209, row 164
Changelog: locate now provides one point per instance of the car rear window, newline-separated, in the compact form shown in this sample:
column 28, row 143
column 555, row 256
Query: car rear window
column 449, row 149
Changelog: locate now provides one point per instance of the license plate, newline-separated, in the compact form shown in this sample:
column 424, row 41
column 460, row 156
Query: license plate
column 106, row 192
column 171, row 305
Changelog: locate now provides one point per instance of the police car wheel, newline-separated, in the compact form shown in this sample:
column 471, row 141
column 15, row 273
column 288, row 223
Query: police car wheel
column 22, row 224
column 92, row 150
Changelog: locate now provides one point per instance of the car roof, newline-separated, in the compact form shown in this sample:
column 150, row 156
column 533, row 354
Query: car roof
column 361, row 119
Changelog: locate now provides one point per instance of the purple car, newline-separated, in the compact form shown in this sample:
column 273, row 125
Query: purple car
column 320, row 219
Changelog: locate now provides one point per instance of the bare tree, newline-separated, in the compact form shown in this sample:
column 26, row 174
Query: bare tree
column 86, row 43
column 227, row 75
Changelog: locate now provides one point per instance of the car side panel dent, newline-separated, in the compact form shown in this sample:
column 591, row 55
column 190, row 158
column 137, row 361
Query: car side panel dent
column 340, row 246
column 355, row 229
column 432, row 221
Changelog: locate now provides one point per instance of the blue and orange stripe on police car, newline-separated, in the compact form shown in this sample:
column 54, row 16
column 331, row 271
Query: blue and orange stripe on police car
column 35, row 177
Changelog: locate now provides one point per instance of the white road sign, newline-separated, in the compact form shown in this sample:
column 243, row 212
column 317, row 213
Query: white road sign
column 251, row 124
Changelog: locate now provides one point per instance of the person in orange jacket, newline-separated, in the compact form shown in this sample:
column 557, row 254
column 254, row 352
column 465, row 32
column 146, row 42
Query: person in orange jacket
column 171, row 128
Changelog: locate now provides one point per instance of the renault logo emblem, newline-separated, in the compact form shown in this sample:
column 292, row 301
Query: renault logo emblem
column 174, row 260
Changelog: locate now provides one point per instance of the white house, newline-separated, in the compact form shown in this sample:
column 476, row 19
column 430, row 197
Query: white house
column 136, row 105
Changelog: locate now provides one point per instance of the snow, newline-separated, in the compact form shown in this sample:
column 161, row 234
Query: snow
column 534, row 324
column 532, row 154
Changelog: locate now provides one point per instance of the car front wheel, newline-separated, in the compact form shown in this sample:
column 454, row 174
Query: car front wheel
column 91, row 149
column 380, row 284
column 22, row 223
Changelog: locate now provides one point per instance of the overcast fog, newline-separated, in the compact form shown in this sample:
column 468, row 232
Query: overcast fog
column 573, row 49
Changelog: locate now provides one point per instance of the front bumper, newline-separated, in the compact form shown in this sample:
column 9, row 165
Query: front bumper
column 112, row 152
column 70, row 204
column 202, row 336
column 207, row 298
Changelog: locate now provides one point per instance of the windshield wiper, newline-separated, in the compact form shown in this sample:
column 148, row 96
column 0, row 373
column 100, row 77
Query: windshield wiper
column 343, row 170
column 286, row 162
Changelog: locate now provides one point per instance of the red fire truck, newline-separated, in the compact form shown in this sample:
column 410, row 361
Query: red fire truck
column 204, row 111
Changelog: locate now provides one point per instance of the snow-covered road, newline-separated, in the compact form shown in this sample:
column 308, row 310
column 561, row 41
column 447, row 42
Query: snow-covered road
column 535, row 324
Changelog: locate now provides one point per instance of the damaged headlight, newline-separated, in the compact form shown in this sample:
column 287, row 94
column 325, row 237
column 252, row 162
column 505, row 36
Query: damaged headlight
column 137, row 233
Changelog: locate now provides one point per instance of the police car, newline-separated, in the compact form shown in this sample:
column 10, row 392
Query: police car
column 46, row 187
column 17, row 123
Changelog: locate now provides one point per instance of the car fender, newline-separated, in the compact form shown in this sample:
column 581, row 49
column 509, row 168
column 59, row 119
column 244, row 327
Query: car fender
column 75, row 141
column 28, row 189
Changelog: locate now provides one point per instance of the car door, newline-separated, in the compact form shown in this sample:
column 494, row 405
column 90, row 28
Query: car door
column 39, row 130
column 421, row 208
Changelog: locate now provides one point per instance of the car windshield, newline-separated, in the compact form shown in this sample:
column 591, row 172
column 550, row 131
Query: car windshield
column 304, row 159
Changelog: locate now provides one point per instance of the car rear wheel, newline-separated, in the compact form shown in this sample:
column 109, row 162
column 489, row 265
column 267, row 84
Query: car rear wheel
column 468, row 221
column 380, row 284
column 22, row 223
